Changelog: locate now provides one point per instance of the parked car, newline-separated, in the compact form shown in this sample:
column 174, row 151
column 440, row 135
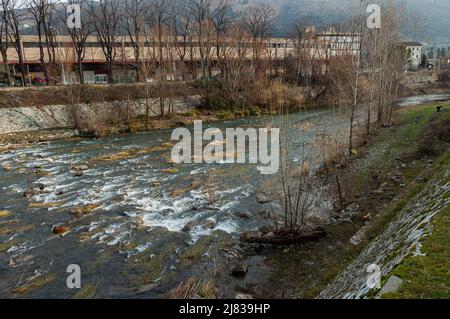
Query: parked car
column 38, row 81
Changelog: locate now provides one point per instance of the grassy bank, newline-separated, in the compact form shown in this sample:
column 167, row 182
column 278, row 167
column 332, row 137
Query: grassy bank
column 427, row 276
column 385, row 175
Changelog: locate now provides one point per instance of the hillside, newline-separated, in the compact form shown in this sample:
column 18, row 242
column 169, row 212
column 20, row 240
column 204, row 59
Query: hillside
column 434, row 15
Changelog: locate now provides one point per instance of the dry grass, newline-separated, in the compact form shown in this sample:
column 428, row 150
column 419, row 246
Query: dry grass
column 191, row 287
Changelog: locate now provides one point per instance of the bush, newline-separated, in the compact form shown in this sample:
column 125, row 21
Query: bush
column 190, row 114
column 255, row 111
column 426, row 150
column 434, row 135
column 225, row 115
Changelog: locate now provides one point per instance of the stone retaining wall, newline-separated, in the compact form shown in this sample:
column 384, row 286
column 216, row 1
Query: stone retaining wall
column 396, row 242
column 24, row 119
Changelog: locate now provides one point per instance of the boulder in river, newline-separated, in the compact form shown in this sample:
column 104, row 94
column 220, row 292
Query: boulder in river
column 242, row 215
column 59, row 230
column 4, row 213
column 79, row 168
column 263, row 199
column 84, row 210
column 78, row 174
column 206, row 223
column 6, row 166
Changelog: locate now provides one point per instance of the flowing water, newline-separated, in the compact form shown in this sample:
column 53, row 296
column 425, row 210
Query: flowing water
column 421, row 99
column 129, row 233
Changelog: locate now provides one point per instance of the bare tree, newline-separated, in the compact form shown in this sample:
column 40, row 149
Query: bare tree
column 258, row 20
column 182, row 25
column 160, row 21
column 38, row 9
column 106, row 17
column 15, row 16
column 203, row 30
column 390, row 64
column 233, row 62
column 5, row 37
column 309, row 50
column 347, row 73
column 79, row 36
column 221, row 19
column 53, row 45
column 134, row 24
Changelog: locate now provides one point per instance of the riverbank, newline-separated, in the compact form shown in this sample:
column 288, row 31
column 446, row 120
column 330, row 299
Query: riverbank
column 131, row 214
column 386, row 174
column 21, row 139
column 426, row 275
column 30, row 115
column 415, row 163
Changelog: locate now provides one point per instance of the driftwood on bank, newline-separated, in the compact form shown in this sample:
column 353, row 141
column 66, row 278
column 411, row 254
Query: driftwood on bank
column 283, row 237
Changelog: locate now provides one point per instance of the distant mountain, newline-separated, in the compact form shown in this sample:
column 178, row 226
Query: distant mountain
column 434, row 15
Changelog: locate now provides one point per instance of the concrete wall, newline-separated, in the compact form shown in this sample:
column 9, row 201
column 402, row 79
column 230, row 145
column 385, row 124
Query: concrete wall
column 420, row 77
column 24, row 119
column 400, row 239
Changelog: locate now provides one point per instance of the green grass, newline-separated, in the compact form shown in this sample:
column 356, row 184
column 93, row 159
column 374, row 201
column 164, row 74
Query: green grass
column 387, row 150
column 428, row 277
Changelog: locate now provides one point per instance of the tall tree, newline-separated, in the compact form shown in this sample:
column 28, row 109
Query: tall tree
column 160, row 19
column 80, row 35
column 5, row 37
column 258, row 19
column 38, row 9
column 134, row 25
column 15, row 16
column 106, row 17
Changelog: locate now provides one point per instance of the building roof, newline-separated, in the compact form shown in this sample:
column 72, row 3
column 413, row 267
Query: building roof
column 410, row 44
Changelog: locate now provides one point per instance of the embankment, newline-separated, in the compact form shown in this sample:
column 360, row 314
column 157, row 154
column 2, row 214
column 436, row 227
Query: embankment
column 37, row 118
column 423, row 169
column 400, row 239
column 43, row 108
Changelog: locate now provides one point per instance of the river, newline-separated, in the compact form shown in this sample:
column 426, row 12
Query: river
column 126, row 217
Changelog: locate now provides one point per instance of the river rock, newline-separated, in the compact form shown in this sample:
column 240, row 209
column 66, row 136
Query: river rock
column 32, row 192
column 240, row 270
column 206, row 223
column 392, row 285
column 264, row 214
column 155, row 184
column 59, row 230
column 243, row 296
column 263, row 199
column 78, row 174
column 79, row 168
column 242, row 215
column 6, row 166
column 84, row 210
column 354, row 207
column 360, row 236
column 147, row 288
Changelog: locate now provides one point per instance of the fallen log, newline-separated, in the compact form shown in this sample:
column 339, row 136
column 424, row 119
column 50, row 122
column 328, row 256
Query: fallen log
column 283, row 237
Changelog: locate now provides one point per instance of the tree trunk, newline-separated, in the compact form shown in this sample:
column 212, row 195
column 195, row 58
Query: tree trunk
column 283, row 237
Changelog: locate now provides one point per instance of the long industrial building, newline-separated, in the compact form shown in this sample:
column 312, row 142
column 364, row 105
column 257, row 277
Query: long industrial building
column 179, row 55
